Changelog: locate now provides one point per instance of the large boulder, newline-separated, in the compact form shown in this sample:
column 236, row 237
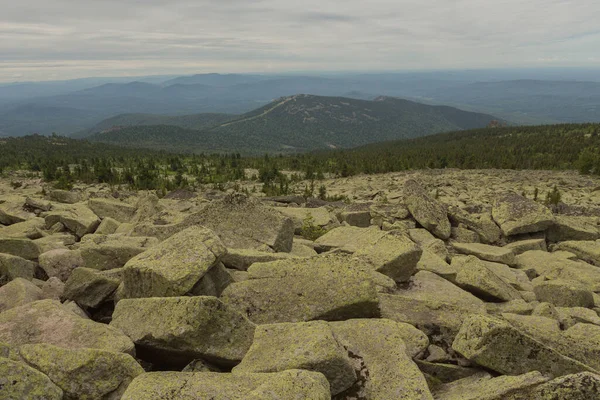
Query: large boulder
column 60, row 263
column 242, row 259
column 177, row 330
column 428, row 212
column 349, row 238
column 19, row 381
column 291, row 384
column 24, row 248
column 77, row 218
column 495, row 344
column 318, row 216
column 305, row 345
column 46, row 321
column 478, row 279
column 115, row 209
column 89, row 288
column 12, row 267
column 30, row 229
column 83, row 373
column 17, row 293
column 482, row 224
column 173, row 267
column 516, row 214
column 521, row 246
column 12, row 210
column 383, row 347
column 563, row 294
column 108, row 226
column 581, row 386
column 105, row 252
column 567, row 227
column 587, row 250
column 333, row 287
column 486, row 252
column 431, row 262
column 65, row 196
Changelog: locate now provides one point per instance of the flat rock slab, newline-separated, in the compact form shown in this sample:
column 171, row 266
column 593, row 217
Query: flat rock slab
column 563, row 294
column 522, row 246
column 117, row 210
column 482, row 224
column 588, row 250
column 242, row 259
column 516, row 214
column 573, row 228
column 335, row 287
column 47, row 321
column 17, row 293
column 349, row 238
column 30, row 229
column 319, row 216
column 428, row 212
column 12, row 210
column 291, row 384
column 60, row 263
column 89, row 288
column 12, row 267
column 24, row 248
column 177, row 330
column 19, row 381
column 105, row 252
column 173, row 267
column 486, row 252
column 478, row 279
column 304, row 345
column 77, row 218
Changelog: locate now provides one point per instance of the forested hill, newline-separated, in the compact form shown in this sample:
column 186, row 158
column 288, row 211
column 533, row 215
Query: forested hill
column 303, row 123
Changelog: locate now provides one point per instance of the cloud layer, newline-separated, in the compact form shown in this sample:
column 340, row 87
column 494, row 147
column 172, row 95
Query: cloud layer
column 59, row 39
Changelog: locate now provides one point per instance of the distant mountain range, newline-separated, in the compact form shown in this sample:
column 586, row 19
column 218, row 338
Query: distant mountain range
column 522, row 97
column 294, row 124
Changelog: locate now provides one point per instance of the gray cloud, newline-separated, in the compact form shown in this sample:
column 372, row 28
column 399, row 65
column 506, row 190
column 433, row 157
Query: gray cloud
column 42, row 39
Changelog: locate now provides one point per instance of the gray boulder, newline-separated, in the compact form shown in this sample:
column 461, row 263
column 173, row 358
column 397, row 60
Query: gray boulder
column 428, row 212
column 516, row 214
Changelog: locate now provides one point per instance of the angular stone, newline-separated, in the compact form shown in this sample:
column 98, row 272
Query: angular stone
column 573, row 228
column 588, row 251
column 118, row 210
column 66, row 197
column 180, row 329
column 46, row 321
column 475, row 277
column 563, row 294
column 76, row 217
column 108, row 226
column 83, row 373
column 53, row 289
column 516, row 214
column 484, row 387
column 12, row 210
column 361, row 219
column 19, row 381
column 349, row 238
column 12, row 267
column 60, row 263
column 213, row 282
column 513, row 277
column 429, row 213
column 520, row 307
column 464, row 235
column 37, row 204
column 432, row 304
column 380, row 344
column 55, row 241
column 88, row 288
column 394, row 255
column 291, row 384
column 30, row 229
column 482, row 224
column 522, row 246
column 431, row 262
column 486, row 252
column 495, row 344
column 445, row 373
column 320, row 216
column 105, row 252
column 305, row 345
column 335, row 287
column 24, row 248
column 173, row 267
column 17, row 293
column 582, row 386
column 242, row 259
column 570, row 316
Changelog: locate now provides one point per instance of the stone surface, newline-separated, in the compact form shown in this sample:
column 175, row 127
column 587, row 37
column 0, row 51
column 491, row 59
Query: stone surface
column 46, row 321
column 349, row 238
column 588, row 250
column 108, row 226
column 431, row 262
column 30, row 229
column 19, row 381
column 486, row 252
column 23, row 248
column 12, row 211
column 573, row 228
column 482, row 224
column 521, row 246
column 428, row 212
column 83, row 373
column 291, row 384
column 581, row 386
column 12, row 267
column 105, row 252
column 305, row 345
column 516, row 214
column 17, row 293
column 117, row 210
column 242, row 259
column 475, row 277
column 76, row 217
column 173, row 267
column 320, row 216
column 60, row 263
column 563, row 294
column 334, row 287
column 180, row 329
column 89, row 288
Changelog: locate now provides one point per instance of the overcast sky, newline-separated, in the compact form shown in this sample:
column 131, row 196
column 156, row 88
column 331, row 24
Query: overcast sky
column 63, row 39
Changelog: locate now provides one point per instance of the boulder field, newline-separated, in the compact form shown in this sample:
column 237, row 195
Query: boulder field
column 404, row 295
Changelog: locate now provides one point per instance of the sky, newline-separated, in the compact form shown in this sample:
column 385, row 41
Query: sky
column 66, row 39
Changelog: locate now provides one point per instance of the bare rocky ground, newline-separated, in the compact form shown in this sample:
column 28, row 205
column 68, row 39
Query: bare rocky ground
column 422, row 285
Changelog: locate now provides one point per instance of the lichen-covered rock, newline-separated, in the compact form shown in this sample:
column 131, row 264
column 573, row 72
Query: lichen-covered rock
column 118, row 210
column 588, row 250
column 213, row 282
column 12, row 211
column 432, row 304
column 461, row 234
column 581, row 386
column 516, row 214
column 334, row 287
column 483, row 387
column 12, row 267
column 394, row 255
column 573, row 228
column 55, row 241
column 570, row 316
column 177, row 330
column 65, row 197
column 17, row 293
column 46, row 321
column 486, row 252
column 349, row 238
column 289, row 385
column 242, row 259
column 89, row 288
column 381, row 343
column 105, row 252
column 60, row 263
column 431, row 262
column 83, row 373
column 495, row 344
column 563, row 294
column 24, row 248
column 173, row 267
column 427, row 211
column 19, row 381
column 482, row 224
column 521, row 246
column 76, row 217
column 30, row 229
column 319, row 216
column 52, row 289
column 108, row 226
column 305, row 345
column 475, row 277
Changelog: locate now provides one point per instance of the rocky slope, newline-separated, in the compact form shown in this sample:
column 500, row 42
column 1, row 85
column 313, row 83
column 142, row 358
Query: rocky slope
column 425, row 285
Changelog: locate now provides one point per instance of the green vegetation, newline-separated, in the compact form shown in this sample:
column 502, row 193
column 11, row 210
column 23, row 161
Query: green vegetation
column 309, row 230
